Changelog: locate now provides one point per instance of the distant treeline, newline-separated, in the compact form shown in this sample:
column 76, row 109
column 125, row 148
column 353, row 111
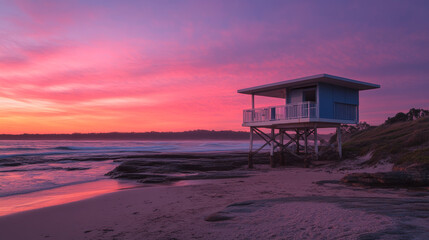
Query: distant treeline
column 187, row 135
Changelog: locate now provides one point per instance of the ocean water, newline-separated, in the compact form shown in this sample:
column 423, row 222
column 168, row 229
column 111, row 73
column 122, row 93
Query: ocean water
column 36, row 174
column 29, row 166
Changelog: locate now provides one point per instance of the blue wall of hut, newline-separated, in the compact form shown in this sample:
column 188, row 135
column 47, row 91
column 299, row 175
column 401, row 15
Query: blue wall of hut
column 330, row 95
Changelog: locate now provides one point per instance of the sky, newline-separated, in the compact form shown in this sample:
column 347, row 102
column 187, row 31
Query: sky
column 134, row 66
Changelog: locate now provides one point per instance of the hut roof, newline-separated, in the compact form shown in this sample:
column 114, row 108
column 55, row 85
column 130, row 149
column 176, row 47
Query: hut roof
column 278, row 89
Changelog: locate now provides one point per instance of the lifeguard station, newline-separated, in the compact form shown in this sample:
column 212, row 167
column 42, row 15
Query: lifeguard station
column 319, row 101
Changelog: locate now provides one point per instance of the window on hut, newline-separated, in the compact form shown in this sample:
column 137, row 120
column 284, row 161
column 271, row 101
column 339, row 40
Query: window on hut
column 309, row 95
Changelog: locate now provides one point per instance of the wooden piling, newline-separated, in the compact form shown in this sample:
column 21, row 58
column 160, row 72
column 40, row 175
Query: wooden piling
column 306, row 141
column 272, row 160
column 316, row 145
column 297, row 141
column 282, row 156
column 250, row 161
column 340, row 150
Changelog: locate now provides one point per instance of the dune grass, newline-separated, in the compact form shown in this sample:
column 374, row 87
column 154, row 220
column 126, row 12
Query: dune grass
column 403, row 142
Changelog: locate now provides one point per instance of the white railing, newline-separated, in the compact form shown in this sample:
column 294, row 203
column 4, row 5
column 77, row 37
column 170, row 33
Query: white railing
column 284, row 112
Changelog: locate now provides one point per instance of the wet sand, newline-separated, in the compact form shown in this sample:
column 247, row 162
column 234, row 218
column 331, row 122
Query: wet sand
column 60, row 195
column 277, row 203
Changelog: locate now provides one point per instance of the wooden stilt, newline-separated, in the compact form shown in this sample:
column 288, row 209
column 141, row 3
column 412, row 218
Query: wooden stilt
column 282, row 157
column 272, row 160
column 307, row 158
column 297, row 141
column 250, row 163
column 340, row 151
column 316, row 145
column 266, row 137
column 306, row 141
column 274, row 143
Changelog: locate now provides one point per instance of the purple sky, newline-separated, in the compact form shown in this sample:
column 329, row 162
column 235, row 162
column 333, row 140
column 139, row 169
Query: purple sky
column 85, row 66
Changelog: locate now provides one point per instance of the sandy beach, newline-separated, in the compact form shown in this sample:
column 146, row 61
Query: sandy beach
column 282, row 203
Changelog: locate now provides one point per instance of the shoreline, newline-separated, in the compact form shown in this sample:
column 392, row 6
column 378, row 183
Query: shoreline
column 269, row 204
column 201, row 170
column 18, row 203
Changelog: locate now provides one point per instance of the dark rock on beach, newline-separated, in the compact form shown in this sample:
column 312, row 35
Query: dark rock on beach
column 416, row 175
column 216, row 217
column 159, row 168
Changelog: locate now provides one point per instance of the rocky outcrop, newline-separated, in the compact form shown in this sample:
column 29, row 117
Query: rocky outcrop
column 159, row 168
column 416, row 175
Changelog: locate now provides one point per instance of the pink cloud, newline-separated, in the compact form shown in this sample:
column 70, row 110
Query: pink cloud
column 181, row 64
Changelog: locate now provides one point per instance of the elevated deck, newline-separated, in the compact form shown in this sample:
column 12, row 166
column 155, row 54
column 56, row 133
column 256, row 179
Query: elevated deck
column 299, row 115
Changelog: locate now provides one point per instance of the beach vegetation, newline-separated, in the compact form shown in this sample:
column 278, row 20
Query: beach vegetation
column 412, row 114
column 402, row 142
